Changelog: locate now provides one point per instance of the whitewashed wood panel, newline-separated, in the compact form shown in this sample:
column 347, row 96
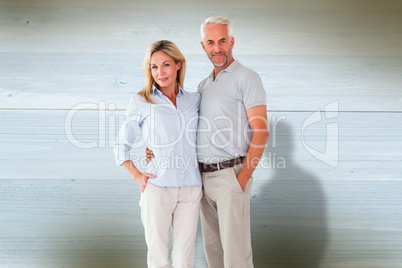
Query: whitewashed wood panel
column 42, row 141
column 306, row 53
column 73, row 223
column 293, row 83
column 296, row 220
column 66, row 206
column 70, row 206
column 263, row 27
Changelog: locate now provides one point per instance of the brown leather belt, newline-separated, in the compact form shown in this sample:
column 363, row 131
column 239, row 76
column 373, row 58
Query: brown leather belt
column 221, row 165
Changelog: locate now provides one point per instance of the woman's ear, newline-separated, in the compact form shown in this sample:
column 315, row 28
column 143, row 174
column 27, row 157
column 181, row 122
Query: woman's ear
column 178, row 65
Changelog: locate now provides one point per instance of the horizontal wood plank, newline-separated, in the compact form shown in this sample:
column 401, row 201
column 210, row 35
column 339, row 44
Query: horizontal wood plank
column 53, row 143
column 293, row 28
column 301, row 220
column 293, row 83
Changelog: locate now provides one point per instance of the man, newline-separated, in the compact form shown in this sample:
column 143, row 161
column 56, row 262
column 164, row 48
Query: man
column 231, row 137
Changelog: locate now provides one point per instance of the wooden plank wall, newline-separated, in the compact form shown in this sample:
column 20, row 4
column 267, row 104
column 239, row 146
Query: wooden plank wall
column 328, row 192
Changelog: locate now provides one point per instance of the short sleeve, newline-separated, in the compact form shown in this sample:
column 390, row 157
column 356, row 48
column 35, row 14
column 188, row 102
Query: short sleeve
column 252, row 91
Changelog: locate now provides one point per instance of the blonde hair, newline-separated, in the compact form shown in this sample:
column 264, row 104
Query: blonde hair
column 172, row 51
column 217, row 20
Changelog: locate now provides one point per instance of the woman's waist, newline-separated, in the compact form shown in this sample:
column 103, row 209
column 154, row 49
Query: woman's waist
column 175, row 177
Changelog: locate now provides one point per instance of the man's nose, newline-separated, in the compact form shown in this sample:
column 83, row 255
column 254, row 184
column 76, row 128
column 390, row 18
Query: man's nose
column 217, row 48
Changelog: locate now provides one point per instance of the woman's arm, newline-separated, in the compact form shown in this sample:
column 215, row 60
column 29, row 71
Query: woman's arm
column 141, row 178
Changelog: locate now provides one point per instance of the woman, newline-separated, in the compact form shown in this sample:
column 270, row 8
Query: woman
column 171, row 187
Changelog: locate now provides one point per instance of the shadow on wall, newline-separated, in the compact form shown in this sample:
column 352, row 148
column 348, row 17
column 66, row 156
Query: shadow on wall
column 289, row 225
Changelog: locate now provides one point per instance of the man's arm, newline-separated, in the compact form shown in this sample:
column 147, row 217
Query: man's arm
column 257, row 117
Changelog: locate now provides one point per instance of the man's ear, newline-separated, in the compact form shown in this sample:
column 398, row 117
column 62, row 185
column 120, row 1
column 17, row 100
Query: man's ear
column 203, row 46
column 232, row 41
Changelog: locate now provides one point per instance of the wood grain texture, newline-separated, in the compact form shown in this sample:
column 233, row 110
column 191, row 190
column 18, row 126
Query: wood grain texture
column 41, row 139
column 293, row 83
column 332, row 72
column 268, row 27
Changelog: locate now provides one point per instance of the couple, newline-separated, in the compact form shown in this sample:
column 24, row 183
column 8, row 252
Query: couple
column 217, row 137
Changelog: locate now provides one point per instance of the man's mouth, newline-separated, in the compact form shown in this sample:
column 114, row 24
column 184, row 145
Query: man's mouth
column 218, row 55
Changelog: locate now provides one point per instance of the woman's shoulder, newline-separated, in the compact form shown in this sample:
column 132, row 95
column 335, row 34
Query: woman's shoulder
column 137, row 105
column 138, row 101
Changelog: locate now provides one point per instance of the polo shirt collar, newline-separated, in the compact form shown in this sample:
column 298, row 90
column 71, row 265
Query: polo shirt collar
column 228, row 69
column 232, row 66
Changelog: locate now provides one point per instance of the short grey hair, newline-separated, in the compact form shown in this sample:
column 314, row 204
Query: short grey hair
column 217, row 20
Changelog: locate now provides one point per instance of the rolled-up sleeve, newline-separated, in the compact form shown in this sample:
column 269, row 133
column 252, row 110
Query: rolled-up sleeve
column 128, row 132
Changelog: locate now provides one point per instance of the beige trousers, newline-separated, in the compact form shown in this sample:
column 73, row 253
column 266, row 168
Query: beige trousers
column 225, row 220
column 166, row 207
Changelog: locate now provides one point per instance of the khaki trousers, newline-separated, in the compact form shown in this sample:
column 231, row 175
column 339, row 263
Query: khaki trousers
column 225, row 219
column 166, row 207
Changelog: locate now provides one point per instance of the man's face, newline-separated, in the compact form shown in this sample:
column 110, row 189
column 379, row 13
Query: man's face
column 218, row 45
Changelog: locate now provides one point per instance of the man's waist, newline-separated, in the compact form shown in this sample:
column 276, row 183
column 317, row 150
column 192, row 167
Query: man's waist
column 211, row 167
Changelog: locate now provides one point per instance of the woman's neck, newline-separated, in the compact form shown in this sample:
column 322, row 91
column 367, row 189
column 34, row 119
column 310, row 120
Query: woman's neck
column 170, row 92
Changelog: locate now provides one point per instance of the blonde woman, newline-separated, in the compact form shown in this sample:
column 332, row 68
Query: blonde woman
column 166, row 116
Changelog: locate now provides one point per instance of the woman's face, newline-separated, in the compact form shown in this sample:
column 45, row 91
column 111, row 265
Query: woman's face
column 164, row 70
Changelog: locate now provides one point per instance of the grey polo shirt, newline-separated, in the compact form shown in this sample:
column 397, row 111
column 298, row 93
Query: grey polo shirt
column 223, row 128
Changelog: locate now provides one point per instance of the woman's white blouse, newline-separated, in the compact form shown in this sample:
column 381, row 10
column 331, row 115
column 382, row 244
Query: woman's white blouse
column 169, row 132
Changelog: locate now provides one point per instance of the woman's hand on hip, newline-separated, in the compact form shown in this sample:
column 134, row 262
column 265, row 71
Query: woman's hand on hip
column 142, row 179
